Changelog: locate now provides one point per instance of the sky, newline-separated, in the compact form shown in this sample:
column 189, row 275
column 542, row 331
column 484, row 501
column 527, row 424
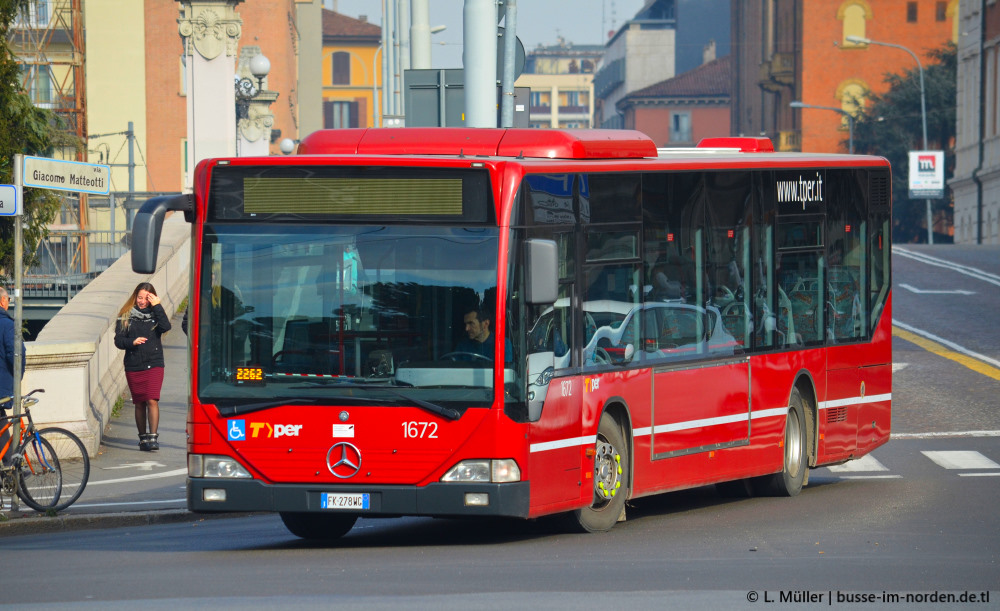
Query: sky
column 581, row 22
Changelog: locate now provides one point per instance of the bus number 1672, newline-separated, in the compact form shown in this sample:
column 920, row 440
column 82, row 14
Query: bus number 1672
column 420, row 430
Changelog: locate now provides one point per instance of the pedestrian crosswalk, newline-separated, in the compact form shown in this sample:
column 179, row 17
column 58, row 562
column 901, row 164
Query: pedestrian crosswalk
column 966, row 462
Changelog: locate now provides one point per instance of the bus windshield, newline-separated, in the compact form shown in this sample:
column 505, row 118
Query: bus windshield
column 344, row 314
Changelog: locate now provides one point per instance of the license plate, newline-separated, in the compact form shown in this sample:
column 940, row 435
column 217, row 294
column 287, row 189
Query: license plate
column 336, row 500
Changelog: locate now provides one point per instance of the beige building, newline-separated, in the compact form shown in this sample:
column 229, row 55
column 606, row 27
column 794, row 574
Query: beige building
column 560, row 100
column 561, row 80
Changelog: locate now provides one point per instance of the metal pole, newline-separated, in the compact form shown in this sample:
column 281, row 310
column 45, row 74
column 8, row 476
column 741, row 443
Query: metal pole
column 420, row 35
column 509, row 50
column 131, row 159
column 479, row 61
column 18, row 308
column 386, row 52
column 390, row 53
column 923, row 116
column 375, row 122
column 403, row 63
column 850, row 120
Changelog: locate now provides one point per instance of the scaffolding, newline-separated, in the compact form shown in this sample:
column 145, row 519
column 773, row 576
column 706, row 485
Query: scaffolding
column 48, row 43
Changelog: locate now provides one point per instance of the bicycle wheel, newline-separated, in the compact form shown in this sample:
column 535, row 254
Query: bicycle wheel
column 74, row 464
column 39, row 474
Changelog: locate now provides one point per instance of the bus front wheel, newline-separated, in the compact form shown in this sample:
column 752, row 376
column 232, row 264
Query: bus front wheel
column 318, row 526
column 611, row 479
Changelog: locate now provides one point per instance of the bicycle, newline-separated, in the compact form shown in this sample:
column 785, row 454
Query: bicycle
column 48, row 468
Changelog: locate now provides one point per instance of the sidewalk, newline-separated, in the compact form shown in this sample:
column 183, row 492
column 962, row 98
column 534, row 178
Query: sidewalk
column 128, row 487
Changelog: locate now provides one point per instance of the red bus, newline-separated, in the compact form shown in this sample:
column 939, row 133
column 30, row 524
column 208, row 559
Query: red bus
column 512, row 322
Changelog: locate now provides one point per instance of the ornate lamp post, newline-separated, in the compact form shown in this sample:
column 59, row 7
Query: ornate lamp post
column 253, row 116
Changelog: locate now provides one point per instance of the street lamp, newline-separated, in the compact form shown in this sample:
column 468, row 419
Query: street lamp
column 246, row 89
column 860, row 40
column 850, row 120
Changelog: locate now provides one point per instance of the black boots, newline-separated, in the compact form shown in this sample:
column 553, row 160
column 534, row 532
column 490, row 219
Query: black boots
column 149, row 442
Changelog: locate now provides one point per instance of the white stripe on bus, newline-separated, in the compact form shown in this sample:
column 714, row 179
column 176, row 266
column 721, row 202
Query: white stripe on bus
column 563, row 443
column 695, row 424
column 855, row 401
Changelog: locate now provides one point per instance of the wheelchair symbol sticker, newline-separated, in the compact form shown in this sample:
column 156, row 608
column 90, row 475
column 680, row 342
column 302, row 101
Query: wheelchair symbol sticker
column 237, row 430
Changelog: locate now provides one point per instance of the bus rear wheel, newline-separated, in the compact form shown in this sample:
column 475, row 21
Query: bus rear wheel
column 318, row 526
column 791, row 478
column 611, row 479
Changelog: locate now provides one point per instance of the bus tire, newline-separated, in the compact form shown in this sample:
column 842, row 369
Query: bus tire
column 318, row 526
column 611, row 479
column 795, row 462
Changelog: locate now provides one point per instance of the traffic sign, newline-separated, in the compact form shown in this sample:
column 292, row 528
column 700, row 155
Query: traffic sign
column 45, row 173
column 9, row 204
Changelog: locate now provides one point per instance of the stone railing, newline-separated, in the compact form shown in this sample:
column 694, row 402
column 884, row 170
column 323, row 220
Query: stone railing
column 74, row 357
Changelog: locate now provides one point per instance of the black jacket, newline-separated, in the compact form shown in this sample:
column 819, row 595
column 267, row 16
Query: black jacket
column 149, row 354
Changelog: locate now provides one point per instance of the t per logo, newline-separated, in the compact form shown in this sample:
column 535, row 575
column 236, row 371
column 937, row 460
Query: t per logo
column 277, row 430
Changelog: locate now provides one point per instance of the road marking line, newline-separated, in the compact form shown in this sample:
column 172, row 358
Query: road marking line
column 914, row 289
column 961, row 459
column 871, row 477
column 979, row 474
column 973, row 272
column 137, row 478
column 865, row 463
column 81, row 505
column 979, row 363
column 945, row 434
column 898, row 366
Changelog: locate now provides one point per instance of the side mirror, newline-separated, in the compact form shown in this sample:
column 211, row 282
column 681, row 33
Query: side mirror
column 541, row 285
column 629, row 353
column 148, row 225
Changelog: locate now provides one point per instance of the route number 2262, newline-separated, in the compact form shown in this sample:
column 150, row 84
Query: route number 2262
column 420, row 430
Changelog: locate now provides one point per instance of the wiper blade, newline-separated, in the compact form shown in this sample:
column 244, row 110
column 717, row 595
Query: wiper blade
column 247, row 408
column 434, row 408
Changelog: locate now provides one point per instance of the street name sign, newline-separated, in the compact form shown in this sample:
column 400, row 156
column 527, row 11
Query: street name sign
column 45, row 173
column 9, row 204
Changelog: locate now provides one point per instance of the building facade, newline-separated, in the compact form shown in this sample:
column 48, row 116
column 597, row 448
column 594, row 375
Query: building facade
column 639, row 54
column 797, row 50
column 976, row 182
column 681, row 111
column 351, row 72
column 561, row 83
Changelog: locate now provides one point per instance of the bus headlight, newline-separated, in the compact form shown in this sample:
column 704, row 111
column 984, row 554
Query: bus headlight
column 498, row 471
column 209, row 465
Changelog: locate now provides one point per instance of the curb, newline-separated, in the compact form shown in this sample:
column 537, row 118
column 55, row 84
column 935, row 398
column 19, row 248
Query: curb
column 15, row 526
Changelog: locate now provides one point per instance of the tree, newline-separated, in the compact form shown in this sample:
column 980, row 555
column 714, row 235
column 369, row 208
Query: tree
column 27, row 130
column 890, row 125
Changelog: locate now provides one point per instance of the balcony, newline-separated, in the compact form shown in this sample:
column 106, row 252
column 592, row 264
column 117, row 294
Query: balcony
column 777, row 73
column 610, row 77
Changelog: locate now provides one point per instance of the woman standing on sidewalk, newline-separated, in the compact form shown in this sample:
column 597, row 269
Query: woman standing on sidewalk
column 141, row 322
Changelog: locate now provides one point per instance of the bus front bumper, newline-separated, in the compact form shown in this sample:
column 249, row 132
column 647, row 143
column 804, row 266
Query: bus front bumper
column 438, row 499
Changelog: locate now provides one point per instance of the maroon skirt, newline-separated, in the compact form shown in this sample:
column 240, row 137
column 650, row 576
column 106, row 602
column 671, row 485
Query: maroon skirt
column 145, row 385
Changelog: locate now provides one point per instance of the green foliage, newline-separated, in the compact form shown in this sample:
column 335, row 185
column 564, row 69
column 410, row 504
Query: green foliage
column 116, row 409
column 891, row 125
column 27, row 130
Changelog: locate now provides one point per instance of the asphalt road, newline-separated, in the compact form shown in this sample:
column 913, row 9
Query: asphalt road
column 918, row 517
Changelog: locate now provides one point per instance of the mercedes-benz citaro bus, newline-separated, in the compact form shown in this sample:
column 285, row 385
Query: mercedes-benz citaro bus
column 524, row 322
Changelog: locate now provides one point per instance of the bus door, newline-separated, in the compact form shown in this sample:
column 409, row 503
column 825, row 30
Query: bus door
column 698, row 407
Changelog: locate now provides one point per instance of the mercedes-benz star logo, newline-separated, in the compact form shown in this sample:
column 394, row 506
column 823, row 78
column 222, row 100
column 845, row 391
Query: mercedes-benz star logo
column 348, row 463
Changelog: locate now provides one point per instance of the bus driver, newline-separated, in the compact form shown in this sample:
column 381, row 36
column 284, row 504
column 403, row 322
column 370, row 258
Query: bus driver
column 480, row 341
